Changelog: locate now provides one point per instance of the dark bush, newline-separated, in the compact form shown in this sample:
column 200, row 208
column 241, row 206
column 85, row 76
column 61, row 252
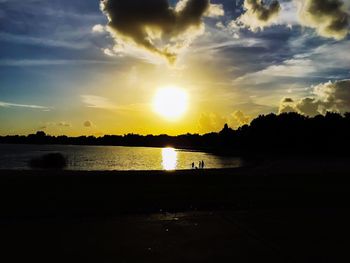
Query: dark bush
column 49, row 161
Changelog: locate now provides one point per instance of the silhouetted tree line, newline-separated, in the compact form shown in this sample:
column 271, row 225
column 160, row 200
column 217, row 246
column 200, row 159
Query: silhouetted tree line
column 288, row 133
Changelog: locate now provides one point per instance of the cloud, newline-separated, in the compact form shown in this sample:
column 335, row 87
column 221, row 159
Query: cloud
column 311, row 65
column 287, row 100
column 238, row 119
column 64, row 124
column 327, row 97
column 291, row 68
column 98, row 28
column 156, row 27
column 308, row 106
column 334, row 96
column 209, row 122
column 289, row 14
column 53, row 124
column 215, row 10
column 212, row 122
column 50, row 62
column 87, row 124
column 42, row 41
column 286, row 105
column 35, row 107
column 98, row 102
column 332, row 55
column 329, row 17
column 286, row 109
column 259, row 15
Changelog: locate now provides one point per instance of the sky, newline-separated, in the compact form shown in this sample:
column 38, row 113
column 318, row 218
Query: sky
column 87, row 67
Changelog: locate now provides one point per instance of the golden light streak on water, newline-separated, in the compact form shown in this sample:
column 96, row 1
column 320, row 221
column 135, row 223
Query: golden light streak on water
column 169, row 159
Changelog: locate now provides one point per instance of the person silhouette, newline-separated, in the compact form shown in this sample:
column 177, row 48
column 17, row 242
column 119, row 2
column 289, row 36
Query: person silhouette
column 202, row 164
column 192, row 165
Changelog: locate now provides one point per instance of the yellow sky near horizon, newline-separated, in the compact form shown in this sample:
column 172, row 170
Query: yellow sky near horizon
column 121, row 102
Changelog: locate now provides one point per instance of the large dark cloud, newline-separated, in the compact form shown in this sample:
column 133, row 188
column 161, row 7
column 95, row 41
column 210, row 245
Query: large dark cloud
column 156, row 26
column 329, row 17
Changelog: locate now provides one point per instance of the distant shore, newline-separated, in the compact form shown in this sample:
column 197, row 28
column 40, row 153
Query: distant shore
column 282, row 134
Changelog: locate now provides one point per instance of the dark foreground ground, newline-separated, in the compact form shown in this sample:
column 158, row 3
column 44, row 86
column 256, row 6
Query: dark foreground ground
column 282, row 211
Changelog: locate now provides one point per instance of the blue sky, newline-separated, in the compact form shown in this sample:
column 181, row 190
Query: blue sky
column 55, row 69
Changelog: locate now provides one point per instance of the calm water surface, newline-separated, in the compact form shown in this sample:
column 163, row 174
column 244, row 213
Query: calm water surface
column 113, row 157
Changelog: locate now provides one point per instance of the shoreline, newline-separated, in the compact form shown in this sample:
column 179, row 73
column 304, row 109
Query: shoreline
column 277, row 185
column 297, row 165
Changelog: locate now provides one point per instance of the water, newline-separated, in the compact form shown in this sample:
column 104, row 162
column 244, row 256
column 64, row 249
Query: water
column 113, row 157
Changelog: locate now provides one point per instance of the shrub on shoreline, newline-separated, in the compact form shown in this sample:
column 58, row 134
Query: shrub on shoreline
column 49, row 161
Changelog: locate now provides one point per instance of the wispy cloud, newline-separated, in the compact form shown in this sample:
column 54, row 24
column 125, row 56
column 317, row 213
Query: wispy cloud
column 293, row 68
column 46, row 8
column 98, row 102
column 245, row 42
column 321, row 62
column 64, row 124
column 36, row 107
column 50, row 62
column 38, row 41
column 60, row 124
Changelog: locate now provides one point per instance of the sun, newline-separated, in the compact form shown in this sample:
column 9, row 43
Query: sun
column 170, row 102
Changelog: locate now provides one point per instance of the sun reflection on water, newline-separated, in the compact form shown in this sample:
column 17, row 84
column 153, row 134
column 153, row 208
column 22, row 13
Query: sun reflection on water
column 169, row 159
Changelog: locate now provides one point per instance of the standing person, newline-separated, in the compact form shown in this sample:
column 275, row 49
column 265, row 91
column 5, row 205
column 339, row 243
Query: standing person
column 202, row 164
column 192, row 165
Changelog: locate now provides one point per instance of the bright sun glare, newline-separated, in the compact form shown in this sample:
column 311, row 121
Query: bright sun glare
column 170, row 102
